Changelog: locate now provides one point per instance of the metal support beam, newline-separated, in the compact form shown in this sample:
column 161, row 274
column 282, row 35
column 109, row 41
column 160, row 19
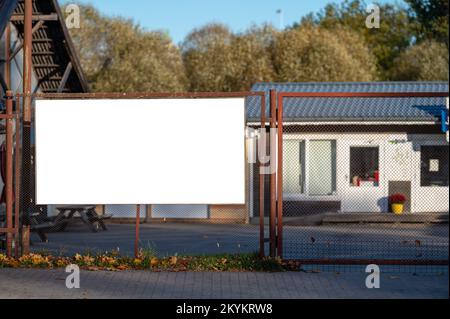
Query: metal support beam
column 26, row 132
column 280, row 180
column 273, row 179
column 7, row 54
column 42, row 17
column 65, row 77
column 137, row 224
column 17, row 170
column 20, row 46
column 9, row 172
column 262, row 189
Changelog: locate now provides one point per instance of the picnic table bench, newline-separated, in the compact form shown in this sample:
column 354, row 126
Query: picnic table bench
column 87, row 214
column 42, row 224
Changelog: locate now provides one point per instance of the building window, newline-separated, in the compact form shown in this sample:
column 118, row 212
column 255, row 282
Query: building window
column 294, row 167
column 434, row 162
column 364, row 166
column 322, row 167
column 315, row 178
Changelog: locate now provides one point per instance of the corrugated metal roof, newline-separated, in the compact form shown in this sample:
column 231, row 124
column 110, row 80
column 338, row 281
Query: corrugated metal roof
column 354, row 109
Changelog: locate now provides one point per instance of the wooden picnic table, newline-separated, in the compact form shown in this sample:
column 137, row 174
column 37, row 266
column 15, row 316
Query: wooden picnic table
column 87, row 214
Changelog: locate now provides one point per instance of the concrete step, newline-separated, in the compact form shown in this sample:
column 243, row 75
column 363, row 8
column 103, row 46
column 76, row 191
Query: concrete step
column 333, row 218
column 361, row 218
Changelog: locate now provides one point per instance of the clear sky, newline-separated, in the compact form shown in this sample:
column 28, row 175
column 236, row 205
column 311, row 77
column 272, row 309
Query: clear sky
column 178, row 17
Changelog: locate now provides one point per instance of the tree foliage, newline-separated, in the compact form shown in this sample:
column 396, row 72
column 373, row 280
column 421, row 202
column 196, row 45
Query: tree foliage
column 427, row 61
column 332, row 45
column 312, row 53
column 431, row 19
column 117, row 55
column 386, row 43
column 218, row 60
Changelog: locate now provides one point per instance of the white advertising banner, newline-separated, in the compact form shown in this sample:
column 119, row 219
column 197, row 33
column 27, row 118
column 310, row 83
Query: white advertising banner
column 140, row 151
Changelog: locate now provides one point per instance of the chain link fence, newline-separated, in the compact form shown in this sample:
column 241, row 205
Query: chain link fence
column 349, row 188
column 160, row 230
column 365, row 180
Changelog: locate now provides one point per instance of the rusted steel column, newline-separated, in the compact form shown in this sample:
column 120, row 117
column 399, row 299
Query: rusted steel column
column 136, row 239
column 17, row 180
column 26, row 132
column 273, row 177
column 280, row 179
column 7, row 56
column 9, row 172
column 261, row 184
column 27, row 59
column 25, row 240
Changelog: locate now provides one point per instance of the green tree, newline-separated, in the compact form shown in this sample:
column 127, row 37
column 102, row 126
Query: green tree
column 218, row 60
column 119, row 56
column 386, row 43
column 431, row 18
column 316, row 54
column 427, row 61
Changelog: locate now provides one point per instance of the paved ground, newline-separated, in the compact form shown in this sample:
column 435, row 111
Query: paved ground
column 20, row 283
column 344, row 241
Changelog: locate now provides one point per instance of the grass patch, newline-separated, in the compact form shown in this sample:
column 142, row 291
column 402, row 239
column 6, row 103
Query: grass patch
column 147, row 260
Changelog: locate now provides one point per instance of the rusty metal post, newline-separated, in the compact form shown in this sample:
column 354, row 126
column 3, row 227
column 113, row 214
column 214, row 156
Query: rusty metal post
column 26, row 132
column 136, row 239
column 8, row 55
column 280, row 180
column 261, row 185
column 273, row 178
column 17, row 180
column 9, row 172
column 25, row 240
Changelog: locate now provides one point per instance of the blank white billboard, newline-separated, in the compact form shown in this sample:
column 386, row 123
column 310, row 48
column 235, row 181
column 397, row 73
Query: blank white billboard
column 140, row 151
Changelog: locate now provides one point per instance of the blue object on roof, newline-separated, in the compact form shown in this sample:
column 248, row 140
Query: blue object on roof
column 444, row 120
column 354, row 109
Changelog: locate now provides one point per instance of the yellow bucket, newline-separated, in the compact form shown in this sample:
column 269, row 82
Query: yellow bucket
column 397, row 209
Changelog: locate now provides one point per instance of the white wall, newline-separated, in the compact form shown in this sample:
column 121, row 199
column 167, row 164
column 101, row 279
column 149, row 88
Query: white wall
column 124, row 211
column 180, row 211
column 159, row 211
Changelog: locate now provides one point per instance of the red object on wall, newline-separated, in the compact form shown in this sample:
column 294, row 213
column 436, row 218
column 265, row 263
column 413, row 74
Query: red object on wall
column 377, row 176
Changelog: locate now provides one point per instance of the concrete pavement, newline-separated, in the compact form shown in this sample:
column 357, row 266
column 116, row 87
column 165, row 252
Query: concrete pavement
column 28, row 283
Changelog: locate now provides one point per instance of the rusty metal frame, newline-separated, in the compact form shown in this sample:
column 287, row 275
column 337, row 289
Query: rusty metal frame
column 195, row 95
column 11, row 229
column 281, row 97
column 17, row 172
column 381, row 262
column 262, row 239
column 8, row 55
column 273, row 180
